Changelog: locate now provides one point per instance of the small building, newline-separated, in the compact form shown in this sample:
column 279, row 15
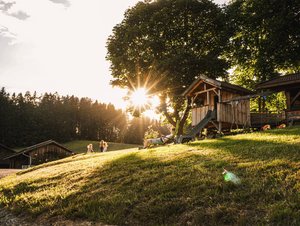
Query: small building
column 222, row 98
column 5, row 152
column 37, row 154
column 290, row 85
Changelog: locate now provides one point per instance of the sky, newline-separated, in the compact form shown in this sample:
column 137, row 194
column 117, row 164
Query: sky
column 60, row 46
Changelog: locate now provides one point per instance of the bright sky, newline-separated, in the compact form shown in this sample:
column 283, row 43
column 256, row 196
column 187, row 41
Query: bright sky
column 59, row 45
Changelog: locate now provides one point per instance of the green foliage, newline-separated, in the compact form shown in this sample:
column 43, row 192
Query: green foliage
column 136, row 130
column 265, row 37
column 174, row 39
column 164, row 45
column 29, row 119
column 151, row 133
column 171, row 185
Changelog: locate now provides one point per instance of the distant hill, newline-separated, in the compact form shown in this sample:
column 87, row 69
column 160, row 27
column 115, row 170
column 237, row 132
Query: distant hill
column 79, row 146
column 169, row 185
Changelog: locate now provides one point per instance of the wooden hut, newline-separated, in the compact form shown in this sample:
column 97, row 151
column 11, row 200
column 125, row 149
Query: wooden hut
column 223, row 99
column 5, row 152
column 290, row 85
column 38, row 154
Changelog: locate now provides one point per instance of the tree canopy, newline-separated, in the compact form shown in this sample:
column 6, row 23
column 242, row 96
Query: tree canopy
column 265, row 38
column 164, row 45
column 265, row 42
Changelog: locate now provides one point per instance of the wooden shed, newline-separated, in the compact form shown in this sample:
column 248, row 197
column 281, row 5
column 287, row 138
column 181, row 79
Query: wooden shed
column 37, row 154
column 290, row 85
column 5, row 152
column 221, row 98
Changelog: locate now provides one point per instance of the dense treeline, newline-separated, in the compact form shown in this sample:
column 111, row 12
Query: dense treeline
column 26, row 119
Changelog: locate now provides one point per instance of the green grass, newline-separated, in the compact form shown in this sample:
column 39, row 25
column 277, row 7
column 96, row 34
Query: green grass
column 79, row 146
column 170, row 185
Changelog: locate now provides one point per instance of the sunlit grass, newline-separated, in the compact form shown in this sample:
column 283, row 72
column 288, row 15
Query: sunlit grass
column 79, row 146
column 170, row 185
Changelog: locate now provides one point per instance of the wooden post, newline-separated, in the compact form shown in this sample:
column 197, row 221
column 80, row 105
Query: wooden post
column 220, row 108
column 295, row 98
column 207, row 95
column 288, row 100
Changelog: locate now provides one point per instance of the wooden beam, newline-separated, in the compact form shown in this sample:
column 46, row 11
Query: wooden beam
column 206, row 90
column 215, row 125
column 295, row 98
column 193, row 99
column 207, row 98
column 220, row 127
column 195, row 86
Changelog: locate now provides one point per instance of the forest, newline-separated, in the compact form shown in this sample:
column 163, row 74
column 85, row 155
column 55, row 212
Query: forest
column 26, row 119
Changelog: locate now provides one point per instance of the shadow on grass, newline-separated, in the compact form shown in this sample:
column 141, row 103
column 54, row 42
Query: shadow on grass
column 294, row 130
column 186, row 189
column 136, row 191
column 74, row 158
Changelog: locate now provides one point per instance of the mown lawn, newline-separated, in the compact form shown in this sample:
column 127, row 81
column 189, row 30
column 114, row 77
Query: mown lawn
column 170, row 185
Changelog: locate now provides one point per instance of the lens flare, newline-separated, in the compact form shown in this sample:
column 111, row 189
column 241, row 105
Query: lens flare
column 139, row 97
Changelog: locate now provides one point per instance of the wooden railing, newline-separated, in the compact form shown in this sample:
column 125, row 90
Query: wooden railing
column 293, row 115
column 234, row 114
column 199, row 113
column 263, row 118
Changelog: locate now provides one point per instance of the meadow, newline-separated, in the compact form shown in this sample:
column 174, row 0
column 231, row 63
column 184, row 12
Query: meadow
column 168, row 185
column 80, row 146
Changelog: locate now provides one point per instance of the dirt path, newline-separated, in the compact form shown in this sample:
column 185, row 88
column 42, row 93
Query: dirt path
column 9, row 219
column 6, row 172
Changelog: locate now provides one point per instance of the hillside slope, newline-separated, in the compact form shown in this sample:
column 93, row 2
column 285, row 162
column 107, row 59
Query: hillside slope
column 170, row 185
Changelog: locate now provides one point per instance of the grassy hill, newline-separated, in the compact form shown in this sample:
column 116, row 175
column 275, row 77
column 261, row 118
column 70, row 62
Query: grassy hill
column 79, row 146
column 170, row 185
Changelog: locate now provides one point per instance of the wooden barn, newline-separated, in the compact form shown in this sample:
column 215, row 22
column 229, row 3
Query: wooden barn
column 5, row 152
column 222, row 98
column 37, row 154
column 290, row 85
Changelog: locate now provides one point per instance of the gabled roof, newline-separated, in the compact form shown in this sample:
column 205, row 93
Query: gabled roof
column 8, row 151
column 216, row 83
column 33, row 147
column 286, row 80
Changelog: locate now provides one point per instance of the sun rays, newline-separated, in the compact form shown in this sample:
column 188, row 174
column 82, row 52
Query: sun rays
column 139, row 97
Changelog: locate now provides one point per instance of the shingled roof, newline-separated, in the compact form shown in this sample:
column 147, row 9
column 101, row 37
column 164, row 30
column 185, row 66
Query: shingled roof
column 28, row 149
column 7, row 151
column 286, row 80
column 216, row 83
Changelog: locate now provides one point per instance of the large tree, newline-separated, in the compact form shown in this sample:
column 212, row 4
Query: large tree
column 164, row 45
column 265, row 38
column 265, row 42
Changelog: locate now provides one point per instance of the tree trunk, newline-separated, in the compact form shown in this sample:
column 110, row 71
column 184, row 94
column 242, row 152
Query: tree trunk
column 178, row 123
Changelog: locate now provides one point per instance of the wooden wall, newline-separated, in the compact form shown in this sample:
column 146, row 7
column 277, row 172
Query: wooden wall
column 40, row 155
column 237, row 113
column 3, row 154
column 199, row 113
column 18, row 161
column 47, row 153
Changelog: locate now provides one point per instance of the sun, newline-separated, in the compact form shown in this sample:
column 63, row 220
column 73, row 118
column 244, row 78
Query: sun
column 144, row 103
column 139, row 97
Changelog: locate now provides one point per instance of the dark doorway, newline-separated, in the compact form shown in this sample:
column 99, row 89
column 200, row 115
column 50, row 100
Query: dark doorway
column 216, row 100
